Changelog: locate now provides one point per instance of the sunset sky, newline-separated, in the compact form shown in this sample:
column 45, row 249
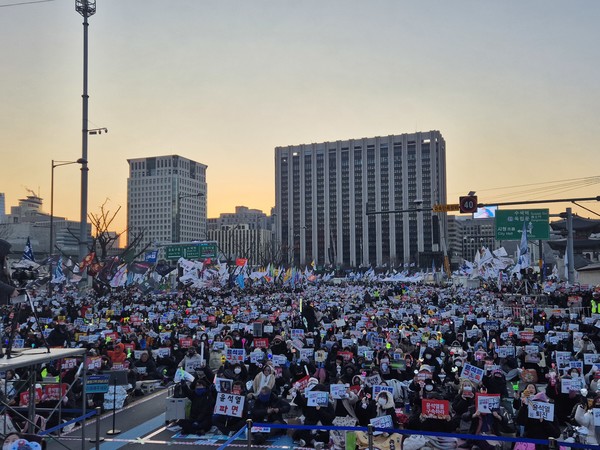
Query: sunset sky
column 513, row 86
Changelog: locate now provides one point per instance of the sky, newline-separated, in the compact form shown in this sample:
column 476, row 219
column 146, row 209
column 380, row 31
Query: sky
column 512, row 85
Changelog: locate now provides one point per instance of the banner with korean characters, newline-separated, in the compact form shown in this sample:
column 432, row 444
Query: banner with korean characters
column 229, row 405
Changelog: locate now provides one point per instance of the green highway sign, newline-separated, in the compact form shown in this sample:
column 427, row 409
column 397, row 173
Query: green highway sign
column 196, row 250
column 509, row 224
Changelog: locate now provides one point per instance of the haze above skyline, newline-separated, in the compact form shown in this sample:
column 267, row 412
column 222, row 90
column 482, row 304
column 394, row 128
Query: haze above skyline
column 512, row 86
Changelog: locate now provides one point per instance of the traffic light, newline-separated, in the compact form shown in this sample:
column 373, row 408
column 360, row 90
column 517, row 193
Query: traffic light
column 468, row 204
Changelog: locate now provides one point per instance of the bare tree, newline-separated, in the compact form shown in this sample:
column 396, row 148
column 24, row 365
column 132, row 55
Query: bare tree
column 104, row 238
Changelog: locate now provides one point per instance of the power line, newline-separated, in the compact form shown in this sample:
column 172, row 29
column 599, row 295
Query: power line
column 25, row 3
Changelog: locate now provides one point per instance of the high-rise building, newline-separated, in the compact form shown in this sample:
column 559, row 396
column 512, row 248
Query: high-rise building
column 2, row 207
column 166, row 200
column 254, row 218
column 323, row 191
column 246, row 233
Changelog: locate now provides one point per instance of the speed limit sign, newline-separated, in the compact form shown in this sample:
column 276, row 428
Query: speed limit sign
column 468, row 204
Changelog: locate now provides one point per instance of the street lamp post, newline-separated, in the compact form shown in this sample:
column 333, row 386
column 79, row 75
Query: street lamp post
column 86, row 8
column 56, row 164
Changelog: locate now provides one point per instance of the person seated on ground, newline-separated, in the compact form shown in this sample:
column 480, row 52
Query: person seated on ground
column 191, row 361
column 202, row 397
column 268, row 408
column 118, row 355
column 265, row 378
column 145, row 368
column 313, row 415
column 229, row 425
column 584, row 416
column 538, row 428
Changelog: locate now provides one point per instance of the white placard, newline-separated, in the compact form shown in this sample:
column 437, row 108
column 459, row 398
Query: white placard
column 541, row 410
column 317, row 398
column 229, row 405
column 338, row 391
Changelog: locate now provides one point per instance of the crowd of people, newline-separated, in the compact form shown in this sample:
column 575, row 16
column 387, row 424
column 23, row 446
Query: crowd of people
column 412, row 356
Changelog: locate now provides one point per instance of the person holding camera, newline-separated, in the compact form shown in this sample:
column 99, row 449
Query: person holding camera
column 7, row 290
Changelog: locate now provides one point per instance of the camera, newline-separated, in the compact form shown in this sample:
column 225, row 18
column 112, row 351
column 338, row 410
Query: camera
column 23, row 276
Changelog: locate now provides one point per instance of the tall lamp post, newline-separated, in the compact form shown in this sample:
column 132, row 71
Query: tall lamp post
column 56, row 164
column 86, row 8
column 178, row 212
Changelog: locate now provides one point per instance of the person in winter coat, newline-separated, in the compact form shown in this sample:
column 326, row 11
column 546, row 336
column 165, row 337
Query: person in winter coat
column 312, row 416
column 584, row 416
column 265, row 378
column 117, row 355
column 268, row 408
column 344, row 407
column 537, row 428
column 202, row 397
column 461, row 404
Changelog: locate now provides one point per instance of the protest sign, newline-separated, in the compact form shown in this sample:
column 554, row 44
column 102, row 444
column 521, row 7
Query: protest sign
column 541, row 410
column 338, row 391
column 436, row 408
column 229, row 405
column 379, row 387
column 382, row 422
column 234, row 355
column 486, row 403
column 473, row 373
column 317, row 398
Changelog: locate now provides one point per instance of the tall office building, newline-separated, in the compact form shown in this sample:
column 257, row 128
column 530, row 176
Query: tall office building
column 323, row 191
column 2, row 207
column 166, row 200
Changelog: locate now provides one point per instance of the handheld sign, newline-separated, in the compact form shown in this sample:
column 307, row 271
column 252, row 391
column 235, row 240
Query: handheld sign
column 541, row 410
column 486, row 403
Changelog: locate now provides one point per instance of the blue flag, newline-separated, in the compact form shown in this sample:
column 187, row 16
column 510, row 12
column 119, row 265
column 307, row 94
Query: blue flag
column 59, row 276
column 28, row 251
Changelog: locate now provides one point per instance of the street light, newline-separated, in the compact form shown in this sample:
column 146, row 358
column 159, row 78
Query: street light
column 86, row 8
column 54, row 165
column 178, row 212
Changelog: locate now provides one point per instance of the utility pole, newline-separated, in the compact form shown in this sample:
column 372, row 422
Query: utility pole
column 569, row 250
column 86, row 8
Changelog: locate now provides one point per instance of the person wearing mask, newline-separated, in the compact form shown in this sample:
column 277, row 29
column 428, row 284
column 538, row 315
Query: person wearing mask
column 313, row 415
column 268, row 408
column 229, row 425
column 538, row 428
column 584, row 416
column 201, row 409
column 191, row 361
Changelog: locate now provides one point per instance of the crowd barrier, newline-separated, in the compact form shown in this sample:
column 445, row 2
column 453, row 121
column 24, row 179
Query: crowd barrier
column 551, row 442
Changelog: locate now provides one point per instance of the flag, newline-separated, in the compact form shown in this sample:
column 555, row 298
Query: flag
column 163, row 269
column 241, row 262
column 59, row 276
column 313, row 264
column 88, row 260
column 524, row 248
column 28, row 251
column 151, row 256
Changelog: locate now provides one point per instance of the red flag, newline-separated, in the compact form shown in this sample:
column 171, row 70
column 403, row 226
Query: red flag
column 88, row 260
column 241, row 262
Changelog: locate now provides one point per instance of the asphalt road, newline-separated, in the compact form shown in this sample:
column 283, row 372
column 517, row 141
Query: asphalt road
column 142, row 425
